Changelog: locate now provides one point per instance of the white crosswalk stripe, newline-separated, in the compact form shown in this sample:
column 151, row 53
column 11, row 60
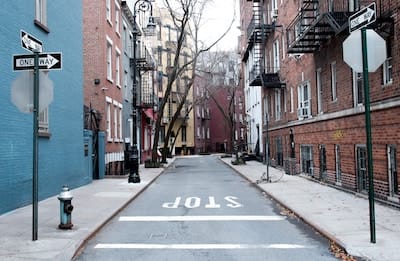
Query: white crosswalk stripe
column 199, row 218
column 201, row 246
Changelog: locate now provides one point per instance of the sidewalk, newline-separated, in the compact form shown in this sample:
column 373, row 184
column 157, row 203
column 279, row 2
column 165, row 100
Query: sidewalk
column 94, row 204
column 340, row 216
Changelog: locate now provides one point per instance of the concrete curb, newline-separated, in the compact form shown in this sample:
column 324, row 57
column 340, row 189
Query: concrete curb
column 81, row 245
column 320, row 230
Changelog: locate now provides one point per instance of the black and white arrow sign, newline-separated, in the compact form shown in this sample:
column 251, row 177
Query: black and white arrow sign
column 30, row 43
column 362, row 18
column 47, row 61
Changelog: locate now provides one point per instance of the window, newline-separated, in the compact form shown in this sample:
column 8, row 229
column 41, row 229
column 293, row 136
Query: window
column 41, row 12
column 115, row 122
column 278, row 108
column 392, row 171
column 319, row 91
column 304, row 106
column 117, row 68
column 276, row 56
column 387, row 71
column 108, row 119
column 358, row 89
column 183, row 134
column 361, row 160
column 291, row 100
column 198, row 132
column 354, row 5
column 108, row 10
column 169, row 59
column 117, row 13
column 306, row 159
column 333, row 81
column 159, row 55
column 159, row 33
column 109, row 59
column 162, row 134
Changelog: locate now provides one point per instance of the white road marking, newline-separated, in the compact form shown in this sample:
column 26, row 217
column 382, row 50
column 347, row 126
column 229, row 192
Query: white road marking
column 201, row 246
column 200, row 218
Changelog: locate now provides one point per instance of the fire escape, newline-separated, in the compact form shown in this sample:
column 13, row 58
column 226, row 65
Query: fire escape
column 318, row 21
column 257, row 33
column 146, row 65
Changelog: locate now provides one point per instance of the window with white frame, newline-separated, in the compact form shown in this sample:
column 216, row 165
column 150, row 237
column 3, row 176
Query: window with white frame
column 108, row 10
column 117, row 14
column 304, row 105
column 120, row 122
column 358, row 89
column 115, row 123
column 117, row 68
column 109, row 59
column 333, row 81
column 319, row 90
column 276, row 56
column 278, row 106
column 387, row 71
column 198, row 132
column 291, row 100
column 108, row 118
column 41, row 11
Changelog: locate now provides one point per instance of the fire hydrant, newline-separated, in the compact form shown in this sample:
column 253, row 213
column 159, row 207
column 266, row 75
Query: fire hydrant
column 66, row 208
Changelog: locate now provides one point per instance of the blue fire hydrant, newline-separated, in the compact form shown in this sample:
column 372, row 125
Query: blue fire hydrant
column 66, row 208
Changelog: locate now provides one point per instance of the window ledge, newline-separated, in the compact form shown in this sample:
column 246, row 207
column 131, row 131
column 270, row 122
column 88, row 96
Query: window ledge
column 44, row 134
column 41, row 26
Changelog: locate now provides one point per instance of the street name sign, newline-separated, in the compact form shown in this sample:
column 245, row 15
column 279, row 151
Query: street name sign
column 30, row 43
column 47, row 61
column 363, row 17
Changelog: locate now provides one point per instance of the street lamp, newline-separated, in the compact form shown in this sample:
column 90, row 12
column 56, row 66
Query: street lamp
column 139, row 6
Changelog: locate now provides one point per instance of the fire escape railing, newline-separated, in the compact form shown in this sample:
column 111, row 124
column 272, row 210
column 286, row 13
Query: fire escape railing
column 316, row 22
column 258, row 32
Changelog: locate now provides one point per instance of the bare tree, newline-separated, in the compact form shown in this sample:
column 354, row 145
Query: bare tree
column 186, row 15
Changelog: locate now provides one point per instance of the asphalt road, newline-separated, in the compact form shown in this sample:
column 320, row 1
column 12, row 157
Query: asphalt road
column 200, row 209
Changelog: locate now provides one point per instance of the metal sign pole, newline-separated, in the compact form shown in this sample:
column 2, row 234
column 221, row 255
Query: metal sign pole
column 368, row 133
column 35, row 147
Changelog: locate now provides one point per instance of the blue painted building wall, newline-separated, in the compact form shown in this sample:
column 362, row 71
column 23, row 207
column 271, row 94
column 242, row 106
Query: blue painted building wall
column 61, row 156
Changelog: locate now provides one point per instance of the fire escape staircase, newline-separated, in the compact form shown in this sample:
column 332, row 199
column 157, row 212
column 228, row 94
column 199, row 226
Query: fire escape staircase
column 316, row 22
column 258, row 33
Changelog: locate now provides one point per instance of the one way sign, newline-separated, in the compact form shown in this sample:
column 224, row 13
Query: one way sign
column 47, row 61
column 363, row 17
column 30, row 43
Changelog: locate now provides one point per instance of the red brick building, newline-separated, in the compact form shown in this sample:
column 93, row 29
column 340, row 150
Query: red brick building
column 102, row 76
column 315, row 101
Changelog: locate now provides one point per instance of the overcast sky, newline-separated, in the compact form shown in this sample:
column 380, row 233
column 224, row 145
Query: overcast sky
column 217, row 18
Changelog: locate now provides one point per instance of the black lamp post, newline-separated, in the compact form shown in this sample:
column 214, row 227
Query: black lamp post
column 140, row 6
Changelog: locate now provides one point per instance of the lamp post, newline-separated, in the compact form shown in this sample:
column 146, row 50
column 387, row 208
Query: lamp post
column 139, row 6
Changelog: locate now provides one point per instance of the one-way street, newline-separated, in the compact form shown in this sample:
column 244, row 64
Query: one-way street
column 200, row 209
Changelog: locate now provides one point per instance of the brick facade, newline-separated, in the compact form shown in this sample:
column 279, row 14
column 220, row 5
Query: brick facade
column 104, row 96
column 332, row 136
